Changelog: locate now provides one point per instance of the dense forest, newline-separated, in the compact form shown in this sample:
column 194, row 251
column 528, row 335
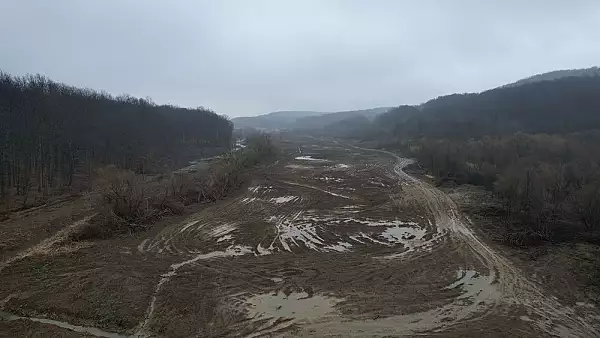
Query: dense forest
column 548, row 184
column 561, row 106
column 535, row 146
column 54, row 135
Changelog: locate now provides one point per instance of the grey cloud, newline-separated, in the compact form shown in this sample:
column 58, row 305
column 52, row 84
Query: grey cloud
column 250, row 57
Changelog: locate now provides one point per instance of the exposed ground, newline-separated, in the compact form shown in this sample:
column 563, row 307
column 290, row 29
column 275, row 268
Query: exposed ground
column 333, row 240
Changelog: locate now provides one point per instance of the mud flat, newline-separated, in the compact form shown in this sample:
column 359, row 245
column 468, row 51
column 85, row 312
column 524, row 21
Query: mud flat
column 336, row 240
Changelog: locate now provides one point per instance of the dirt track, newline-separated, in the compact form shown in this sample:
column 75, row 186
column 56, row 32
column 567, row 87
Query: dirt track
column 334, row 240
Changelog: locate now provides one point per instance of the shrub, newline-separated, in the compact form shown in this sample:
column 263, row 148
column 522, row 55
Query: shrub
column 130, row 202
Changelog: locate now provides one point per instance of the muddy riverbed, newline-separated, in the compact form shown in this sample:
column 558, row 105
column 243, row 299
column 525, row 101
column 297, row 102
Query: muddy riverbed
column 333, row 240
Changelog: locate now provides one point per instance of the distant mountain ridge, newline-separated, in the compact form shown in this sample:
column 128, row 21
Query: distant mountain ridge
column 274, row 120
column 563, row 101
column 302, row 119
column 557, row 74
column 567, row 104
column 452, row 113
column 323, row 120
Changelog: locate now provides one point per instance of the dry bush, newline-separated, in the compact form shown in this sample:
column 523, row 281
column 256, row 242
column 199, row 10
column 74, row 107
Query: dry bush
column 131, row 202
column 128, row 203
column 190, row 188
column 520, row 235
column 96, row 228
column 224, row 176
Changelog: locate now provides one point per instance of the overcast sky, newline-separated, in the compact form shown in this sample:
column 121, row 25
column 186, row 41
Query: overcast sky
column 245, row 58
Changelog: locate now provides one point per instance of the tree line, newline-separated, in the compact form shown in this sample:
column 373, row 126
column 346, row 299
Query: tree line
column 565, row 105
column 130, row 202
column 535, row 146
column 548, row 185
column 53, row 135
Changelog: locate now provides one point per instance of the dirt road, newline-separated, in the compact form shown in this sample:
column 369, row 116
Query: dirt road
column 334, row 240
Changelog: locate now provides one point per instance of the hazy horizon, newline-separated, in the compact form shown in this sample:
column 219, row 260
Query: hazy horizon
column 242, row 59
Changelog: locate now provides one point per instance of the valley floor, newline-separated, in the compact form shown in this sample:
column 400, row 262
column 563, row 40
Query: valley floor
column 332, row 240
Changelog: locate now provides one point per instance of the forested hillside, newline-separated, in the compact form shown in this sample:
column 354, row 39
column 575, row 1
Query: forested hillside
column 51, row 134
column 567, row 105
column 535, row 146
column 315, row 123
column 302, row 121
column 274, row 120
column 558, row 74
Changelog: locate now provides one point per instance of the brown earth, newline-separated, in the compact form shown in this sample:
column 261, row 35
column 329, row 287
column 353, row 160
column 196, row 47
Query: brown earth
column 333, row 240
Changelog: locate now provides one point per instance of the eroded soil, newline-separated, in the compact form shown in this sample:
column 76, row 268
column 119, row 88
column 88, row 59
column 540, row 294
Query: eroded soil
column 333, row 240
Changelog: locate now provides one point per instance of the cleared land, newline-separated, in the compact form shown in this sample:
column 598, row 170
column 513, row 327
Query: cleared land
column 332, row 240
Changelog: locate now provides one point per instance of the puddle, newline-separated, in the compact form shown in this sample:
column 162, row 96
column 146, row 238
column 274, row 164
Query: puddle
column 259, row 189
column 315, row 188
column 224, row 238
column 299, row 232
column 297, row 305
column 331, row 179
column 587, row 305
column 298, row 166
column 339, row 247
column 474, row 285
column 526, row 319
column 342, row 166
column 375, row 223
column 308, row 229
column 380, row 184
column 310, row 158
column 221, row 230
column 247, row 200
column 283, row 199
column 391, row 232
column 409, row 237
column 352, row 207
column 337, row 195
column 262, row 250
column 349, row 209
column 189, row 224
column 369, row 238
column 81, row 329
column 141, row 246
column 291, row 233
column 234, row 250
column 356, row 239
column 477, row 294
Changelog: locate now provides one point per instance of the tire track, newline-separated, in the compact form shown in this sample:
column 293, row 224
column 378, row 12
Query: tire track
column 551, row 316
